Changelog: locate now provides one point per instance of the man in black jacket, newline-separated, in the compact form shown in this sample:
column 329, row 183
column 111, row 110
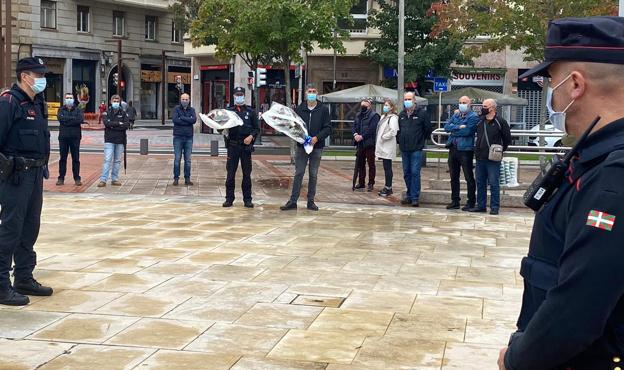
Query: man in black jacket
column 414, row 129
column 240, row 141
column 365, row 136
column 318, row 123
column 497, row 130
column 184, row 118
column 116, row 123
column 70, row 118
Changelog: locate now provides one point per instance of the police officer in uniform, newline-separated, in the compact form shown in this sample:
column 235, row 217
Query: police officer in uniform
column 24, row 151
column 239, row 143
column 572, row 314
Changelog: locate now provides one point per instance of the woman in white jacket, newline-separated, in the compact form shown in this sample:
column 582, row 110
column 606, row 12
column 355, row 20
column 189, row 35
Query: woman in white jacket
column 385, row 148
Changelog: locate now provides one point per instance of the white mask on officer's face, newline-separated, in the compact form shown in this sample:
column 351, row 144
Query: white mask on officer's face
column 557, row 119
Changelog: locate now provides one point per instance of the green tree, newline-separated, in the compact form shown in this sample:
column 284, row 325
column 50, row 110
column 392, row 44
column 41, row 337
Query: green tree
column 427, row 46
column 518, row 24
column 184, row 11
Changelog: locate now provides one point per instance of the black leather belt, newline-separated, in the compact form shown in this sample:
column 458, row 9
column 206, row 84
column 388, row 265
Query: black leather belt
column 33, row 163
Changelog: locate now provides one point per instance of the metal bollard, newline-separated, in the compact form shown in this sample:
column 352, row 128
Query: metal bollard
column 144, row 147
column 214, row 148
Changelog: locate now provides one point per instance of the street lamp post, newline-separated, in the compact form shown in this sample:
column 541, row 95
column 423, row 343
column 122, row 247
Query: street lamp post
column 401, row 61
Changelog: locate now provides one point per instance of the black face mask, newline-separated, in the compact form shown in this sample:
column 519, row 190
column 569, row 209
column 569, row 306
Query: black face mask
column 485, row 111
column 364, row 108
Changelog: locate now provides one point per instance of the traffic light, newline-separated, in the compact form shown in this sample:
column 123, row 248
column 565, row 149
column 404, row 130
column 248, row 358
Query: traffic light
column 260, row 77
column 122, row 84
column 115, row 79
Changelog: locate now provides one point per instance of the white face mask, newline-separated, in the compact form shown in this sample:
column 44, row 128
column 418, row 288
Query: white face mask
column 557, row 118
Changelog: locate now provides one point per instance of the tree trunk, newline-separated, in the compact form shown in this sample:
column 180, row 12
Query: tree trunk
column 288, row 102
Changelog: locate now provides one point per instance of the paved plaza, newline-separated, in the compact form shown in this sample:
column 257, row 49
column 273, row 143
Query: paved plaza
column 178, row 282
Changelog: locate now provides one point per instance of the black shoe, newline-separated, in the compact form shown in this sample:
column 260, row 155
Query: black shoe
column 60, row 182
column 176, row 182
column 453, row 205
column 289, row 205
column 32, row 287
column 78, row 182
column 12, row 298
column 477, row 210
column 385, row 192
column 249, row 204
column 312, row 206
column 415, row 203
column 188, row 183
column 406, row 201
column 359, row 188
column 467, row 207
column 228, row 203
column 370, row 187
column 494, row 211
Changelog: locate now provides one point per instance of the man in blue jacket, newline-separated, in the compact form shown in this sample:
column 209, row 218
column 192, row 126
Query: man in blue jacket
column 184, row 118
column 70, row 118
column 462, row 125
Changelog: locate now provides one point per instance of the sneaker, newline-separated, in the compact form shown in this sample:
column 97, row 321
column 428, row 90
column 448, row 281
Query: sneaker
column 78, row 182
column 32, row 287
column 188, row 183
column 289, row 205
column 467, row 207
column 12, row 298
column 477, row 210
column 385, row 192
column 176, row 182
column 60, row 182
column 116, row 183
column 370, row 187
column 359, row 188
column 228, row 203
column 406, row 201
column 415, row 203
column 453, row 205
column 312, row 206
column 101, row 184
column 249, row 204
column 494, row 211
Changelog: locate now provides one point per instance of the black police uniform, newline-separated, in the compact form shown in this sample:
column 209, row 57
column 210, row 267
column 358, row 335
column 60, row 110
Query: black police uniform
column 572, row 314
column 25, row 139
column 238, row 151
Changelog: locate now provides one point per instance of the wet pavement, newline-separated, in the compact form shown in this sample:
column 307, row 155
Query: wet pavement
column 178, row 282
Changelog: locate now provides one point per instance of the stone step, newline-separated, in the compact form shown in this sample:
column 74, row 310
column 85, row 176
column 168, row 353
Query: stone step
column 445, row 184
column 509, row 198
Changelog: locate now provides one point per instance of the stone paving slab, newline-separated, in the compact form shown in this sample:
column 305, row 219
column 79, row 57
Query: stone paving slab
column 367, row 288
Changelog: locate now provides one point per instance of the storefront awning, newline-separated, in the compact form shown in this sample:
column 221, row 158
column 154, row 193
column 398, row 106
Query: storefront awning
column 477, row 96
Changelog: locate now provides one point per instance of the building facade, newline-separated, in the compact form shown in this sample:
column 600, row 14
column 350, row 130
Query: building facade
column 79, row 41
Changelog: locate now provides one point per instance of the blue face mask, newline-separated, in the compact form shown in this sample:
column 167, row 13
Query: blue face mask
column 239, row 100
column 311, row 97
column 463, row 108
column 408, row 104
column 184, row 103
column 69, row 102
column 39, row 85
column 115, row 105
column 386, row 109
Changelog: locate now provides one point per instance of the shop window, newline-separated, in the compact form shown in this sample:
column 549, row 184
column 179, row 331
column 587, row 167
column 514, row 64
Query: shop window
column 150, row 28
column 359, row 19
column 82, row 20
column 119, row 24
column 48, row 14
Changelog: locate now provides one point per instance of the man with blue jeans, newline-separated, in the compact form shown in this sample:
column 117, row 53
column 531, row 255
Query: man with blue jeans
column 462, row 126
column 116, row 124
column 498, row 132
column 414, row 129
column 184, row 118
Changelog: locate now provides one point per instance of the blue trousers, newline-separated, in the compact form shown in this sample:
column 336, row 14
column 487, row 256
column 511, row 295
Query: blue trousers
column 488, row 172
column 182, row 144
column 412, row 163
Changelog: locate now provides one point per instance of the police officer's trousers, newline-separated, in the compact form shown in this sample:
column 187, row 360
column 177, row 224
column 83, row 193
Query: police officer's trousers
column 235, row 154
column 20, row 215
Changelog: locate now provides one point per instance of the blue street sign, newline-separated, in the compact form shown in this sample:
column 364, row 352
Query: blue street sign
column 430, row 75
column 440, row 84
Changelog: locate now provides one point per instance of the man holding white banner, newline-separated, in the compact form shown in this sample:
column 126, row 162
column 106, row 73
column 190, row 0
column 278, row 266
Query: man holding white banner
column 318, row 124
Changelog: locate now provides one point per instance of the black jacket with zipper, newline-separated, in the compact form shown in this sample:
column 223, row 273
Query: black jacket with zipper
column 317, row 120
column 116, row 123
column 498, row 133
column 414, row 130
column 70, row 120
